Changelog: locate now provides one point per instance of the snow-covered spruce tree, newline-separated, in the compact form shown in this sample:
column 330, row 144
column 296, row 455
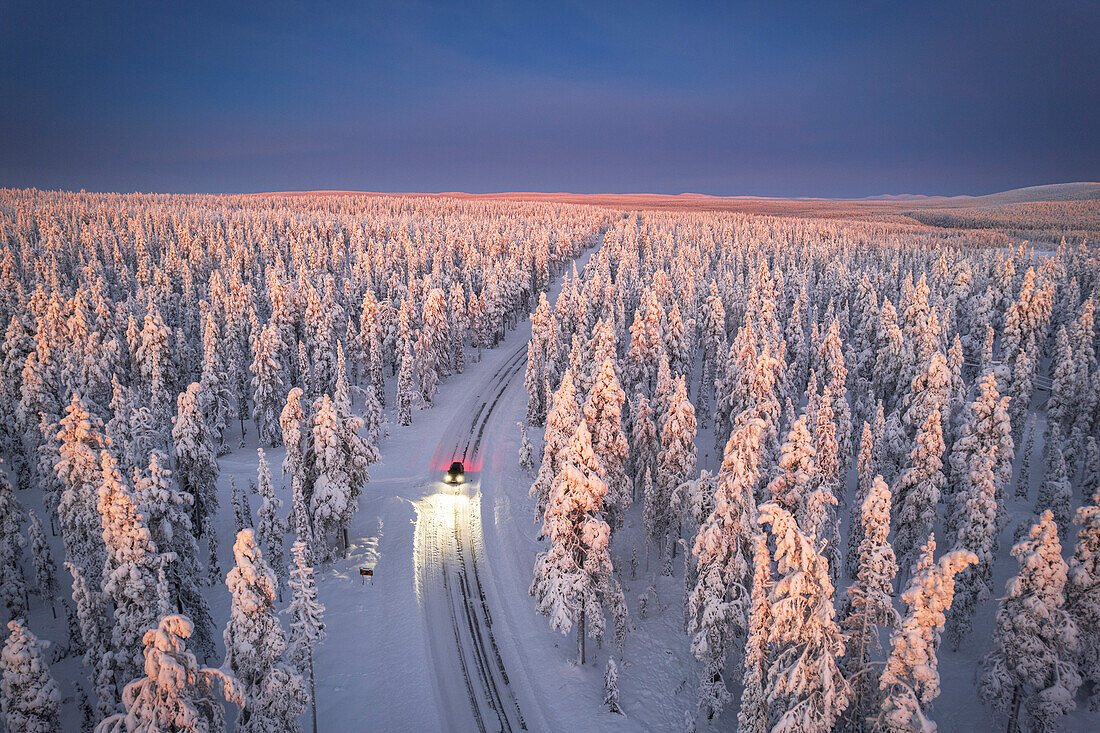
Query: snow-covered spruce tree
column 267, row 385
column 1083, row 594
column 274, row 693
column 603, row 414
column 129, row 571
column 611, row 687
column 910, row 681
column 805, row 688
column 676, row 462
column 242, row 517
column 427, row 369
column 526, row 451
column 307, row 629
column 870, row 602
column 174, row 693
column 13, row 586
column 45, row 569
column 718, row 605
column 534, row 379
column 273, row 526
column 1061, row 408
column 834, row 375
column 987, row 433
column 645, row 443
column 573, row 578
column 218, row 408
column 79, row 470
column 29, row 696
column 1056, row 491
column 1024, row 370
column 341, row 395
column 797, row 470
column 291, row 421
column 196, row 466
column 866, row 470
column 1035, row 643
column 975, row 526
column 167, row 513
column 406, row 390
column 1023, row 482
column 561, row 425
column 819, row 511
column 918, row 491
column 753, row 715
column 94, row 629
column 338, row 460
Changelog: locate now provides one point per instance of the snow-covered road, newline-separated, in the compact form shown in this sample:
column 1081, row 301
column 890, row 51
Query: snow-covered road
column 470, row 678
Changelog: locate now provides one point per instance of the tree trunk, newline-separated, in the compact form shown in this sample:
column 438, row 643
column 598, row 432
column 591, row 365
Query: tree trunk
column 1014, row 708
column 312, row 692
column 580, row 637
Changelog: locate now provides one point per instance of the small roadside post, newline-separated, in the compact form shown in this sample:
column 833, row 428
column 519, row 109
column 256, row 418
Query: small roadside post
column 365, row 572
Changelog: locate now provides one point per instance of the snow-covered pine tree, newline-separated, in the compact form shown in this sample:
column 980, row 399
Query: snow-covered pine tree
column 273, row 691
column 910, row 681
column 644, row 441
column 291, row 421
column 753, row 715
column 918, row 491
column 45, row 569
column 717, row 608
column 573, row 578
column 561, row 424
column 338, row 462
column 29, row 696
column 79, row 470
column 1056, row 491
column 866, row 470
column 130, row 569
column 175, row 693
column 273, row 526
column 805, row 688
column 676, row 462
column 267, row 385
column 1023, row 482
column 1033, row 661
column 603, row 414
column 168, row 515
column 94, row 633
column 405, row 388
column 341, row 395
column 218, row 408
column 987, row 433
column 526, row 451
column 307, row 629
column 196, row 466
column 870, row 602
column 13, row 586
column 242, row 514
column 611, row 687
column 1024, row 370
column 1061, row 408
column 1083, row 594
column 975, row 527
column 797, row 470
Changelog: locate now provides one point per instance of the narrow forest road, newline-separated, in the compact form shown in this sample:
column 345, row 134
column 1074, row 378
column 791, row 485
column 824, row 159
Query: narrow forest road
column 432, row 640
column 471, row 679
column 475, row 687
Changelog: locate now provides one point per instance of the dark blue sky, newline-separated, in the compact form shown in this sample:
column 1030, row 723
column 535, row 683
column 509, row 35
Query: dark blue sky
column 769, row 98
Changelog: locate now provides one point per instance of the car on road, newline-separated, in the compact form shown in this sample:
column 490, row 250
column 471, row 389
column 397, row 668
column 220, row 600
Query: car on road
column 456, row 474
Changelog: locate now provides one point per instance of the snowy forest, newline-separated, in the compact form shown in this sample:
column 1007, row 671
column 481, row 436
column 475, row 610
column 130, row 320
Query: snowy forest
column 761, row 471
